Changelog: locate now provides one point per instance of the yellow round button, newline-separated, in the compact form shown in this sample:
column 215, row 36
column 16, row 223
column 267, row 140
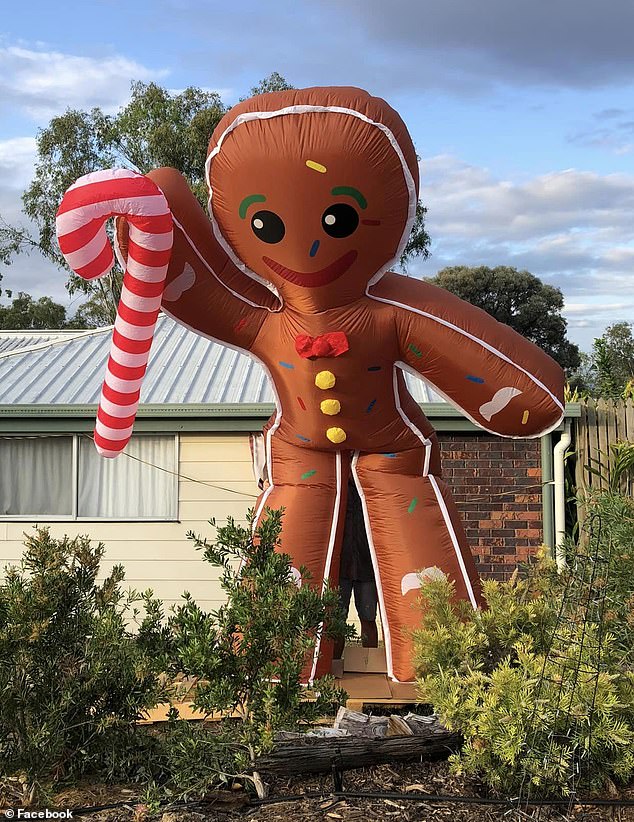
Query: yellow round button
column 325, row 380
column 330, row 407
column 336, row 435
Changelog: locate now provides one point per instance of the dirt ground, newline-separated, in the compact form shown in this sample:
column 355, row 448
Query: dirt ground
column 312, row 799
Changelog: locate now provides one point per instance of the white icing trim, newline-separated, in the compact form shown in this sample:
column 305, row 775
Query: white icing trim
column 377, row 574
column 454, row 540
column 306, row 109
column 426, row 442
column 223, row 284
column 329, row 555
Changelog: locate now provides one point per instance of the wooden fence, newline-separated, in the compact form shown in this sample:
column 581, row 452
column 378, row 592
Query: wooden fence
column 602, row 423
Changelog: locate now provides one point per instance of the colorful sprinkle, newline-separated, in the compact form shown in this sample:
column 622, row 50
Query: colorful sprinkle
column 525, row 416
column 301, row 403
column 415, row 351
column 474, row 379
column 370, row 407
column 316, row 166
column 374, row 368
column 286, row 364
column 412, row 505
column 313, row 248
column 240, row 324
column 303, row 439
column 391, row 456
column 370, row 222
column 308, row 474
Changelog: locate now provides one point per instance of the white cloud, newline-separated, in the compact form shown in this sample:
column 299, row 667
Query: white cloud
column 28, row 272
column 574, row 229
column 44, row 83
column 17, row 161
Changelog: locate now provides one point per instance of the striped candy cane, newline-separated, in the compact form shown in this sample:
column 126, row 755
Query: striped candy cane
column 83, row 241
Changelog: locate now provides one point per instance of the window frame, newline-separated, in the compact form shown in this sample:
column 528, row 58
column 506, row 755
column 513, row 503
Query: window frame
column 73, row 516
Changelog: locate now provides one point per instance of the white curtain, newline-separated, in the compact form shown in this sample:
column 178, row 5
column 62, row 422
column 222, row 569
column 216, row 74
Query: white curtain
column 36, row 476
column 138, row 483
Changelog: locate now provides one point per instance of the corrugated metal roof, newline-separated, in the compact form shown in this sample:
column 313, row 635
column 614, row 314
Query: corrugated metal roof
column 183, row 369
column 14, row 340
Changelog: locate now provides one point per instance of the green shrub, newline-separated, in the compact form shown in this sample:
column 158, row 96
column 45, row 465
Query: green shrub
column 250, row 653
column 74, row 679
column 540, row 683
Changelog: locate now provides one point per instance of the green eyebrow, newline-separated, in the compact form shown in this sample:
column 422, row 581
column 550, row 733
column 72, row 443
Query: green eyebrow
column 351, row 192
column 252, row 198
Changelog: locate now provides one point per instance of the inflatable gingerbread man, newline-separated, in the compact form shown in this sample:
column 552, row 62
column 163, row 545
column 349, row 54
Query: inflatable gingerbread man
column 312, row 196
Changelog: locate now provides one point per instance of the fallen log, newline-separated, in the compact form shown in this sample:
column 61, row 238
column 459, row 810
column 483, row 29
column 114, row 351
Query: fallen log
column 318, row 754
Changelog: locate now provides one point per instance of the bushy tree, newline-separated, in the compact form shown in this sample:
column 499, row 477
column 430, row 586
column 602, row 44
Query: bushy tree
column 251, row 652
column 612, row 361
column 541, row 682
column 74, row 678
column 518, row 299
column 26, row 313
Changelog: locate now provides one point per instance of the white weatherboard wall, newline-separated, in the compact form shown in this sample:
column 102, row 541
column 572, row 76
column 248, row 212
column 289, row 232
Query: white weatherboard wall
column 158, row 555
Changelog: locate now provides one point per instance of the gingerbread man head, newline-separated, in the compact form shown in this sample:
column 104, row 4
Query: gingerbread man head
column 313, row 191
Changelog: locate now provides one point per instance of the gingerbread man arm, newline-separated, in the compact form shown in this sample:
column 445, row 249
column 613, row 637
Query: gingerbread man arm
column 498, row 379
column 204, row 289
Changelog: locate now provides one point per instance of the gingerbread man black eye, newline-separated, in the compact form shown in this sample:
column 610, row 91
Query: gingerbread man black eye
column 268, row 226
column 340, row 220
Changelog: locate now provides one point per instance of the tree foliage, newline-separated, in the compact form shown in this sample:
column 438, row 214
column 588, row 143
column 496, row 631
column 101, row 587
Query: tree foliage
column 612, row 361
column 419, row 240
column 518, row 299
column 541, row 682
column 26, row 313
column 250, row 653
column 74, row 680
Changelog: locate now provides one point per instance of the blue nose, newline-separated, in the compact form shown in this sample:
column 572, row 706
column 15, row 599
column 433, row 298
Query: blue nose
column 313, row 248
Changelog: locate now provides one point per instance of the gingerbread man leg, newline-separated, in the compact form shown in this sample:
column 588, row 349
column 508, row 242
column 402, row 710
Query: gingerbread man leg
column 413, row 525
column 311, row 487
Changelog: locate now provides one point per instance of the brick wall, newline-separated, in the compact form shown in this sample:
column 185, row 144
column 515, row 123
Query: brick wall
column 496, row 485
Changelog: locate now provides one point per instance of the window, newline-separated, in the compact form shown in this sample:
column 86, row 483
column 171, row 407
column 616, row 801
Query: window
column 65, row 478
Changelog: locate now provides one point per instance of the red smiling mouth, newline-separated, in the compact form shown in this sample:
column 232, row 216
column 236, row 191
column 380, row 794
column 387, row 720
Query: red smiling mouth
column 315, row 278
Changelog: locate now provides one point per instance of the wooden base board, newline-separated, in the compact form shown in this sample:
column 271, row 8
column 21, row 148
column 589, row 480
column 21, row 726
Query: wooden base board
column 362, row 689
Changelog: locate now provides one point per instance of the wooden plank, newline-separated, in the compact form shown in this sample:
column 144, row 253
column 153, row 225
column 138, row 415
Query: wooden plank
column 217, row 491
column 603, row 448
column 103, row 531
column 629, row 420
column 593, row 442
column 191, row 511
column 628, row 414
column 218, row 472
column 318, row 755
column 173, row 569
column 238, row 438
column 581, row 460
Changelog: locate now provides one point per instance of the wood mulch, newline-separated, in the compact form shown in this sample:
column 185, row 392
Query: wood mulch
column 316, row 801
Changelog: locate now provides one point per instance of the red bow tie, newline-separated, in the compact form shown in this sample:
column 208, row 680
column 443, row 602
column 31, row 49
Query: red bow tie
column 325, row 345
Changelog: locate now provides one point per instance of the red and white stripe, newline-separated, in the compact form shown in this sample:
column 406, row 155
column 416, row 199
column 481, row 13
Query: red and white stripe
column 82, row 237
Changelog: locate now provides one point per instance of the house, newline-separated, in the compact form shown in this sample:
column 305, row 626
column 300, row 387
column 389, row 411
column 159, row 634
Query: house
column 189, row 459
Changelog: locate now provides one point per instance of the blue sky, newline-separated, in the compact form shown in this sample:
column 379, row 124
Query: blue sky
column 523, row 113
